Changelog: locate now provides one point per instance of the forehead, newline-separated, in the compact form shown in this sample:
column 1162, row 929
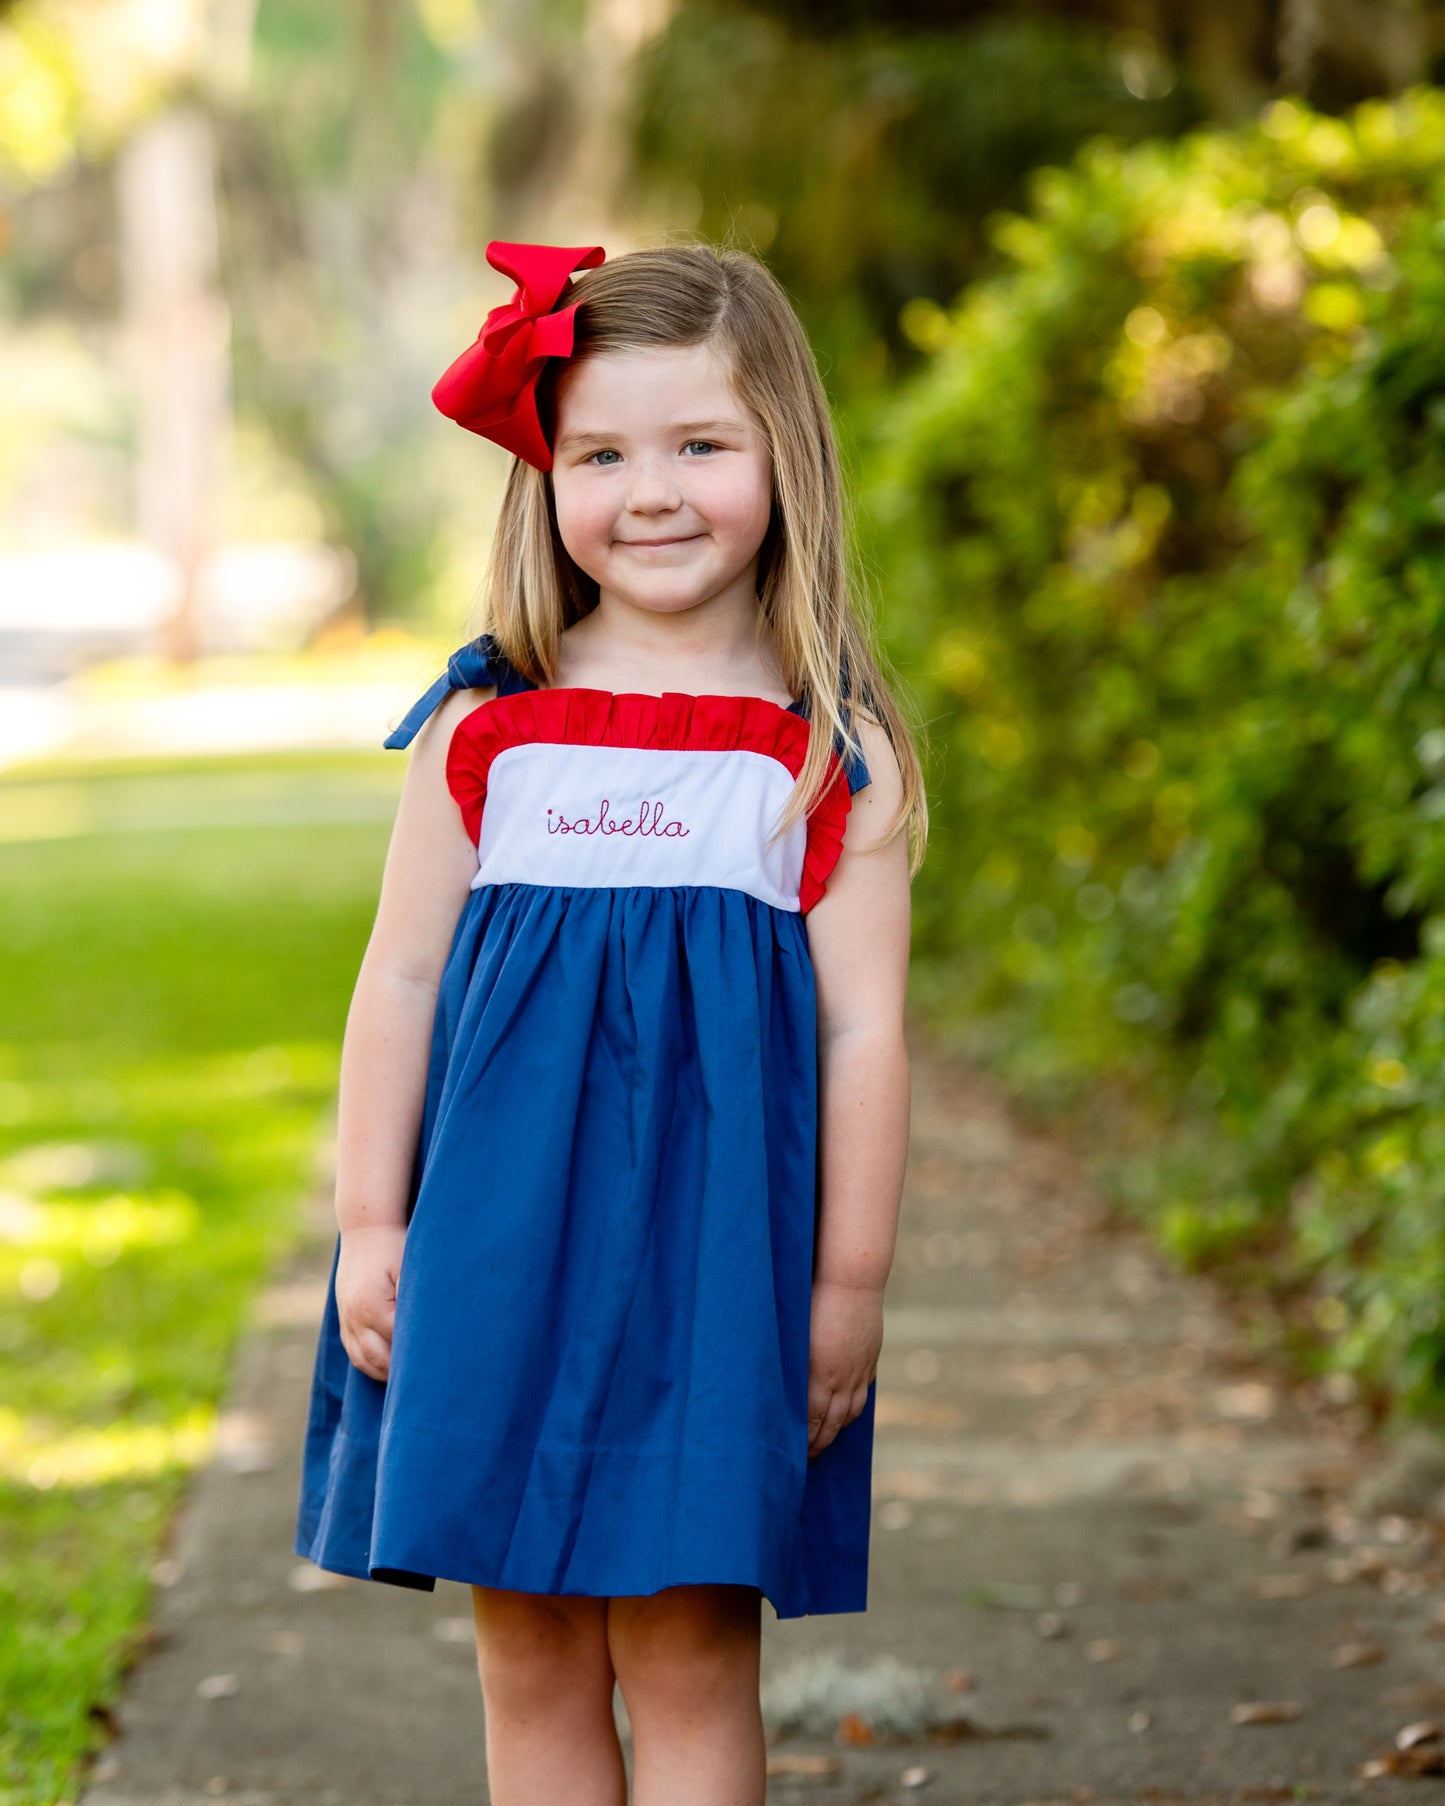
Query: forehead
column 616, row 390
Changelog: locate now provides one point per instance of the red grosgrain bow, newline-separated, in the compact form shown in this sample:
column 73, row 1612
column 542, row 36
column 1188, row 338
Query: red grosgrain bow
column 492, row 387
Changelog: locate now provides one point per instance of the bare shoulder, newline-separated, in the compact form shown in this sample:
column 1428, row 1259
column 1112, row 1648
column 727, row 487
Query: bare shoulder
column 434, row 736
column 858, row 930
column 454, row 708
column 431, row 859
column 427, row 808
column 875, row 806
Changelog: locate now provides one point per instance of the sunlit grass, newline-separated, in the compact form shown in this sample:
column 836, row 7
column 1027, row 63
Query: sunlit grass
column 171, row 1005
column 33, row 1451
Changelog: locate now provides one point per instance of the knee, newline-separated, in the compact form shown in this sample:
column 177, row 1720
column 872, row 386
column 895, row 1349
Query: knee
column 533, row 1649
column 685, row 1649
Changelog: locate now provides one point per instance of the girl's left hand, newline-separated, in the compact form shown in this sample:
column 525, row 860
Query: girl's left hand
column 845, row 1337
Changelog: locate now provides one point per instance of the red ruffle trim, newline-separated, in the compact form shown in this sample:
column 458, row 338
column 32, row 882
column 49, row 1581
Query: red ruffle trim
column 672, row 722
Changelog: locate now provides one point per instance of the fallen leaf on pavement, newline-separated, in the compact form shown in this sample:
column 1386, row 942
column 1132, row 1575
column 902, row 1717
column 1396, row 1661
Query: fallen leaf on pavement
column 1424, row 1731
column 854, row 1728
column 1358, row 1655
column 804, row 1765
column 1265, row 1711
column 959, row 1730
column 1429, row 1759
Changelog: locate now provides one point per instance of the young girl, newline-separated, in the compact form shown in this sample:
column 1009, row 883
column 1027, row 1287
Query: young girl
column 624, row 1097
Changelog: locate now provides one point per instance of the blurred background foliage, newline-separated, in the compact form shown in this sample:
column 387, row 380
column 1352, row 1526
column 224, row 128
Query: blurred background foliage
column 363, row 156
column 1167, row 507
column 1131, row 312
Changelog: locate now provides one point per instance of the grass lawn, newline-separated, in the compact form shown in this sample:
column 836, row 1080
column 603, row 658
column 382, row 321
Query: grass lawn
column 178, row 943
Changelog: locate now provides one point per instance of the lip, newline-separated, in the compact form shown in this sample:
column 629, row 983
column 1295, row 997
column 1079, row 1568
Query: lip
column 680, row 539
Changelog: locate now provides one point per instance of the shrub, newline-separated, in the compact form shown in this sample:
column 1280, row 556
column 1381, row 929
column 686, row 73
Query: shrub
column 1163, row 525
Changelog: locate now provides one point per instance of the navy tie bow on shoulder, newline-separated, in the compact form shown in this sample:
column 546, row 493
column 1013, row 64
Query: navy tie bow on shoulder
column 471, row 667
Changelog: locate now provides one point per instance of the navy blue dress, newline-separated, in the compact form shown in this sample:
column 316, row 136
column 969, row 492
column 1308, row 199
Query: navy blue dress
column 599, row 1364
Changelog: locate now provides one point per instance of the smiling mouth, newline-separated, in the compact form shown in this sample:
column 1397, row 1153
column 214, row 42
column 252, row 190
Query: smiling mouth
column 679, row 539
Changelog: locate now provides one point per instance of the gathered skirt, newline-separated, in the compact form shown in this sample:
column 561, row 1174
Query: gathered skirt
column 599, row 1363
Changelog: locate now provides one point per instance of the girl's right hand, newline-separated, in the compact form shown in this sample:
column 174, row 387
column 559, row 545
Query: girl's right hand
column 366, row 1276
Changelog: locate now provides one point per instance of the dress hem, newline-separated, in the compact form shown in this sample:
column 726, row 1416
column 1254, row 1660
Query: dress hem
column 426, row 1583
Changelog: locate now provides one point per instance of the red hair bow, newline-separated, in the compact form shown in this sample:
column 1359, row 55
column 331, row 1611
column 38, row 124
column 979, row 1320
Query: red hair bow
column 491, row 389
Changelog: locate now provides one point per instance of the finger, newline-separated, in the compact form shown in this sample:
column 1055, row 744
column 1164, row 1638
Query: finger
column 362, row 1342
column 821, row 1398
column 832, row 1421
column 378, row 1322
column 373, row 1354
column 819, row 1401
column 378, row 1349
column 839, row 1413
column 360, row 1359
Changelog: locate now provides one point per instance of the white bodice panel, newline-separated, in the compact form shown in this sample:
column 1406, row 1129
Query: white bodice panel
column 597, row 816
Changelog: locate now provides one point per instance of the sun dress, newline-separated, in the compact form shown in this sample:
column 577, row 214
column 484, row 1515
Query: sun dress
column 598, row 1380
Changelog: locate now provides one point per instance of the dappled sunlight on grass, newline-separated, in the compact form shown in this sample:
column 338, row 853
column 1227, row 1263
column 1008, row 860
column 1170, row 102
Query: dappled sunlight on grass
column 97, row 1232
column 30, row 1449
column 171, row 1010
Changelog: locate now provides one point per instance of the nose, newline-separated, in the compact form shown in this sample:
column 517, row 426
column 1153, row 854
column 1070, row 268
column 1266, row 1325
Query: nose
column 652, row 487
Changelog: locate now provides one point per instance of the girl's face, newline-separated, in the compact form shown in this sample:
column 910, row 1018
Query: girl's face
column 661, row 477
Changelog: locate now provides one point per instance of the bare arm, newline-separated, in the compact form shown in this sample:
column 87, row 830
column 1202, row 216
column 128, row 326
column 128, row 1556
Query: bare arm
column 858, row 935
column 430, row 863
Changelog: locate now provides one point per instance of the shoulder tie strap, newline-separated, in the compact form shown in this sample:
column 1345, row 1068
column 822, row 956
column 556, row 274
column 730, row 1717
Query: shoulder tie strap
column 855, row 766
column 471, row 667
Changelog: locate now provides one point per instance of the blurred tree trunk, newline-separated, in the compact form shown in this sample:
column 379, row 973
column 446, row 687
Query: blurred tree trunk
column 562, row 142
column 589, row 196
column 178, row 331
column 375, row 150
column 177, row 323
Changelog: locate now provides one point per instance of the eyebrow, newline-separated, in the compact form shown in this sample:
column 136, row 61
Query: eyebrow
column 692, row 429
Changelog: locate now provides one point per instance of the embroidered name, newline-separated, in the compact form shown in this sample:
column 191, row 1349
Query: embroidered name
column 648, row 821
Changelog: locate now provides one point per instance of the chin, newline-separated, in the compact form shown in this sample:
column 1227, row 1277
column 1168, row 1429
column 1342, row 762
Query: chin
column 668, row 605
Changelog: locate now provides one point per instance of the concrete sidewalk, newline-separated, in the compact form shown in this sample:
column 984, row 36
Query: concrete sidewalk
column 1100, row 1537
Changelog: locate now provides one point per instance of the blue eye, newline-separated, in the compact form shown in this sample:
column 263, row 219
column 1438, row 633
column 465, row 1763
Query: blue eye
column 607, row 452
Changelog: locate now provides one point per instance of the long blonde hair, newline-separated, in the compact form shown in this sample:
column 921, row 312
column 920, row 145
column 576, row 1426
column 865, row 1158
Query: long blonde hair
column 809, row 593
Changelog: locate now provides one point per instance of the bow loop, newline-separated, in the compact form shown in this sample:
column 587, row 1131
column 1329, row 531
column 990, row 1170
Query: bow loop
column 491, row 389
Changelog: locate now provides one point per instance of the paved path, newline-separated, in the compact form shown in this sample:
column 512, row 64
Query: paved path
column 1098, row 1531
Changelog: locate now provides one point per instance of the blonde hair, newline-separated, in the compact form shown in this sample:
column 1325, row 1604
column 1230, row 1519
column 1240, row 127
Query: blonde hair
column 808, row 590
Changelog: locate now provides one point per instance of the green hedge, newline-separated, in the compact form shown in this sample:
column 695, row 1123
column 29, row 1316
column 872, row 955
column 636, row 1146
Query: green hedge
column 1162, row 527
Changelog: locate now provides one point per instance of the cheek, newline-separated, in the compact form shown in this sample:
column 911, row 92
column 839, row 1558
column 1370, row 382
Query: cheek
column 742, row 508
column 584, row 516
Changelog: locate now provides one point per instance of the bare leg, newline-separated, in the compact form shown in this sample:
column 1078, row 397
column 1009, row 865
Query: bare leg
column 547, row 1685
column 687, row 1660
